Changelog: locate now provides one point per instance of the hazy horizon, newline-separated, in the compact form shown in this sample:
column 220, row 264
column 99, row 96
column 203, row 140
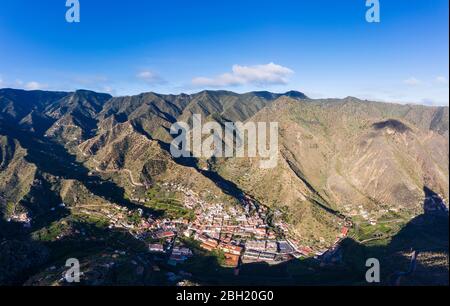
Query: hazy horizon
column 232, row 91
column 322, row 48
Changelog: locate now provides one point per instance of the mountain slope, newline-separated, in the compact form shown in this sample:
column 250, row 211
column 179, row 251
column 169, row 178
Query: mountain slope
column 360, row 158
column 367, row 162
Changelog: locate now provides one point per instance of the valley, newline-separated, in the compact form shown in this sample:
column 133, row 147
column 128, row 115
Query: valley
column 91, row 176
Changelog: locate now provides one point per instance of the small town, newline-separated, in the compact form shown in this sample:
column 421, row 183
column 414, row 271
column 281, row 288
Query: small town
column 241, row 233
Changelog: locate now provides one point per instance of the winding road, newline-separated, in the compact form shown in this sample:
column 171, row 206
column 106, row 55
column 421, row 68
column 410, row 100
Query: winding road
column 136, row 184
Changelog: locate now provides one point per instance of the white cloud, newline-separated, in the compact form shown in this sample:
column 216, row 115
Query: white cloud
column 269, row 74
column 441, row 80
column 150, row 77
column 412, row 81
column 33, row 85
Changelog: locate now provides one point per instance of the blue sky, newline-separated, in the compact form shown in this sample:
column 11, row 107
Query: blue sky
column 324, row 48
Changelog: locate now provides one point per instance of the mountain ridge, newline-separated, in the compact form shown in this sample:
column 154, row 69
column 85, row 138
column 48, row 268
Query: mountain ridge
column 365, row 161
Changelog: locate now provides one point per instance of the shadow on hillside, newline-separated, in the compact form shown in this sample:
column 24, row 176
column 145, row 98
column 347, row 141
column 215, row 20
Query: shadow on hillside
column 52, row 158
column 11, row 229
column 43, row 204
column 87, row 243
column 18, row 254
column 428, row 232
column 228, row 187
column 392, row 124
column 425, row 233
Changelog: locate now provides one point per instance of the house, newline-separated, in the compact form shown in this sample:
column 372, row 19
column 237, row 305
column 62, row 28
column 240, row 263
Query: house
column 215, row 235
column 165, row 234
column 156, row 248
column 267, row 256
column 207, row 247
column 231, row 249
column 260, row 232
column 298, row 254
column 209, row 244
column 176, row 259
column 305, row 250
column 187, row 233
column 182, row 251
column 259, row 245
column 284, row 247
column 202, row 238
column 231, row 260
column 344, row 231
column 271, row 235
column 251, row 254
column 226, row 238
column 271, row 246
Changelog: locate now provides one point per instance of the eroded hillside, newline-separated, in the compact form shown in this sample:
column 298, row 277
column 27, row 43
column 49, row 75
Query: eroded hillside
column 66, row 156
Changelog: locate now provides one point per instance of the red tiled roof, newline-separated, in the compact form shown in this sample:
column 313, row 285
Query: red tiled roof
column 344, row 231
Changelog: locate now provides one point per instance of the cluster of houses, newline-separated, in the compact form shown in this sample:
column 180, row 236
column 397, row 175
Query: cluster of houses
column 21, row 218
column 240, row 232
column 175, row 254
column 120, row 219
column 179, row 255
column 267, row 250
column 191, row 199
column 232, row 252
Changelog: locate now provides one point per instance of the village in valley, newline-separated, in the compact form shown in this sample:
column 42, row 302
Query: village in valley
column 242, row 234
column 239, row 234
column 182, row 226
